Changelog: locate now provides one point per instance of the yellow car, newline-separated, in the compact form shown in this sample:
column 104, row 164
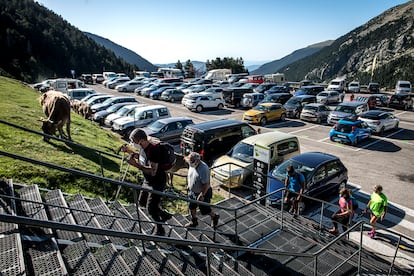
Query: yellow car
column 265, row 112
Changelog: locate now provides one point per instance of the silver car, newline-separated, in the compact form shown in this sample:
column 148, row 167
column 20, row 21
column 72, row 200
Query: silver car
column 327, row 97
column 315, row 112
column 379, row 121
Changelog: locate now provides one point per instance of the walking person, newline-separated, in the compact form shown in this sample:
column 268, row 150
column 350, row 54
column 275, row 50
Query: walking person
column 199, row 187
column 295, row 185
column 351, row 98
column 342, row 96
column 148, row 160
column 344, row 214
column 378, row 205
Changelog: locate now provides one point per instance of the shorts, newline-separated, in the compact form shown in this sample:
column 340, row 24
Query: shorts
column 204, row 210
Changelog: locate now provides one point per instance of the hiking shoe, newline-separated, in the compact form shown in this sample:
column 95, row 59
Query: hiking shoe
column 333, row 231
column 159, row 231
column 165, row 216
column 192, row 223
column 371, row 234
column 214, row 221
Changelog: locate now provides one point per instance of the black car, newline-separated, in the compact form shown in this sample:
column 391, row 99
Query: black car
column 281, row 98
column 277, row 89
column 168, row 129
column 401, row 101
column 295, row 104
column 324, row 174
column 172, row 95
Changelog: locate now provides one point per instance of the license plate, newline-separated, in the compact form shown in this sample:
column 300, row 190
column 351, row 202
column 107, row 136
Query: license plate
column 341, row 136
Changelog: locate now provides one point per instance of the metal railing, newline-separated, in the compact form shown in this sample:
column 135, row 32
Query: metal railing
column 235, row 211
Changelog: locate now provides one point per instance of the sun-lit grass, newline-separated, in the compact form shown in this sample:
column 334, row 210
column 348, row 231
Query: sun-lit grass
column 20, row 106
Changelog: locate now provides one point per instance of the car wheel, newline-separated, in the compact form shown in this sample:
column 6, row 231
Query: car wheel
column 220, row 106
column 172, row 100
column 283, row 117
column 263, row 121
column 318, row 120
column 124, row 90
column 297, row 114
column 199, row 108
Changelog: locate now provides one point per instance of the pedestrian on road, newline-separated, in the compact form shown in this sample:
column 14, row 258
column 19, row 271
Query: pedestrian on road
column 147, row 160
column 342, row 96
column 344, row 214
column 351, row 98
column 199, row 187
column 378, row 206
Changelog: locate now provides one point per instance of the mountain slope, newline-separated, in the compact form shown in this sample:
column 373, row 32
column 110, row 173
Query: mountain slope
column 276, row 65
column 36, row 43
column 387, row 38
column 122, row 52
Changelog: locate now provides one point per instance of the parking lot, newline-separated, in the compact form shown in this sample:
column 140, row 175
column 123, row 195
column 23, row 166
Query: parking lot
column 385, row 160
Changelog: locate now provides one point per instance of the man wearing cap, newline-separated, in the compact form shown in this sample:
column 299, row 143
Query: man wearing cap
column 199, row 186
column 147, row 161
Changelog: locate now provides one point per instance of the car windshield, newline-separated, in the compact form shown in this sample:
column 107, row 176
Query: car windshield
column 113, row 108
column 156, row 126
column 293, row 102
column 123, row 111
column 370, row 116
column 260, row 108
column 344, row 108
column 344, row 128
column 280, row 171
column 310, row 108
column 242, row 152
column 323, row 94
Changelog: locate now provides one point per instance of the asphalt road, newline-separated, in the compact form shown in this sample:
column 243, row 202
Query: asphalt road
column 387, row 160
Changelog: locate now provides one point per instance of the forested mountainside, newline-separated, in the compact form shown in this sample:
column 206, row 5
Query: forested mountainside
column 383, row 49
column 36, row 43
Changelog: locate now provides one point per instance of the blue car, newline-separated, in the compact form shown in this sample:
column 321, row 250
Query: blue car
column 350, row 132
column 324, row 174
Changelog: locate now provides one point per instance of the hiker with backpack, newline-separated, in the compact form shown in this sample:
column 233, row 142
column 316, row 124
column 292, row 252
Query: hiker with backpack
column 344, row 213
column 295, row 185
column 151, row 161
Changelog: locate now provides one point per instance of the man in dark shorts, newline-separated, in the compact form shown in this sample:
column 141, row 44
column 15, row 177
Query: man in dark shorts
column 200, row 189
column 295, row 185
column 155, row 178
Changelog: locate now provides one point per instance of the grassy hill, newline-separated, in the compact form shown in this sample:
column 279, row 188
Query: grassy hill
column 20, row 106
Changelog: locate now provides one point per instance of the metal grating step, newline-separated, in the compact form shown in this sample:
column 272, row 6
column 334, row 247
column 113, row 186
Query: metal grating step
column 80, row 260
column 146, row 225
column 63, row 214
column 111, row 261
column 125, row 218
column 137, row 263
column 162, row 264
column 85, row 217
column 36, row 208
column 11, row 255
column 7, row 206
column 45, row 258
column 107, row 220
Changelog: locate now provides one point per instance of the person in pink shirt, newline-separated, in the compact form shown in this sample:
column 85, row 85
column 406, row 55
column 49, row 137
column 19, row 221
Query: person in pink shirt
column 344, row 213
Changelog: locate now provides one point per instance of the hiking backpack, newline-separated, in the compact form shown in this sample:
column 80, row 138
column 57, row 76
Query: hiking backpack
column 168, row 157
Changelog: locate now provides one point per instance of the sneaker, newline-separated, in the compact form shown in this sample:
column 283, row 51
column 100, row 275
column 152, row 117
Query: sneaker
column 333, row 231
column 214, row 221
column 165, row 216
column 192, row 223
column 371, row 234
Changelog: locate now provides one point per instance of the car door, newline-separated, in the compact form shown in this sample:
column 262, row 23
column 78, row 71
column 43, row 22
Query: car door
column 317, row 182
column 324, row 111
column 169, row 132
column 275, row 111
column 389, row 121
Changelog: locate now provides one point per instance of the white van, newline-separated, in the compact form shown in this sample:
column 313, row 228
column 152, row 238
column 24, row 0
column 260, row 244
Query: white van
column 337, row 84
column 142, row 117
column 403, row 87
column 79, row 93
column 235, row 169
column 63, row 85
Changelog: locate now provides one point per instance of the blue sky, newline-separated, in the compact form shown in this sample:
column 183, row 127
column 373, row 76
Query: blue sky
column 164, row 31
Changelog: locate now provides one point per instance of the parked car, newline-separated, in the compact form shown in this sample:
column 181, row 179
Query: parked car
column 403, row 87
column 80, row 93
column 369, row 99
column 401, row 101
column 97, row 98
column 354, row 87
column 172, row 95
column 382, row 99
column 146, row 92
column 142, row 117
column 128, row 110
column 100, row 116
column 277, row 89
column 281, row 98
column 234, row 95
column 128, row 86
column 214, row 138
column 168, row 129
column 215, row 92
column 373, row 87
column 97, row 78
column 264, row 113
column 263, row 87
column 379, row 121
column 350, row 132
column 315, row 112
column 324, row 174
column 199, row 102
column 309, row 90
column 295, row 105
column 347, row 110
column 327, row 97
column 86, row 78
column 117, row 81
column 111, row 101
column 155, row 95
column 235, row 168
column 251, row 99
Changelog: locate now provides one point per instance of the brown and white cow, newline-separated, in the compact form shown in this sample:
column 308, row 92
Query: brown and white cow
column 56, row 107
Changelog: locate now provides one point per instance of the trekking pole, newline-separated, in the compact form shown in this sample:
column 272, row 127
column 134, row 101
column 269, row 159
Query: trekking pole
column 122, row 176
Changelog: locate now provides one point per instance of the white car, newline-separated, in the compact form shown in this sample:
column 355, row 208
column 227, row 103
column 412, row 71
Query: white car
column 327, row 97
column 380, row 121
column 354, row 87
column 199, row 102
column 128, row 86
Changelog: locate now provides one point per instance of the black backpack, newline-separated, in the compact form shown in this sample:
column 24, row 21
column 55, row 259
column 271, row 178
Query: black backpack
column 168, row 157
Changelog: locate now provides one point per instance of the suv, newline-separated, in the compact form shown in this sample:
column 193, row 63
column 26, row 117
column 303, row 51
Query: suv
column 214, row 138
column 295, row 104
column 350, row 132
column 401, row 101
column 354, row 87
column 281, row 98
column 373, row 87
column 233, row 96
column 168, row 129
column 235, row 168
column 347, row 110
column 111, row 101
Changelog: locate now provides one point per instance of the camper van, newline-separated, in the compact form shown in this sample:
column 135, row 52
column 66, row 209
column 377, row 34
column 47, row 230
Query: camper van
column 218, row 74
column 337, row 84
column 63, row 85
